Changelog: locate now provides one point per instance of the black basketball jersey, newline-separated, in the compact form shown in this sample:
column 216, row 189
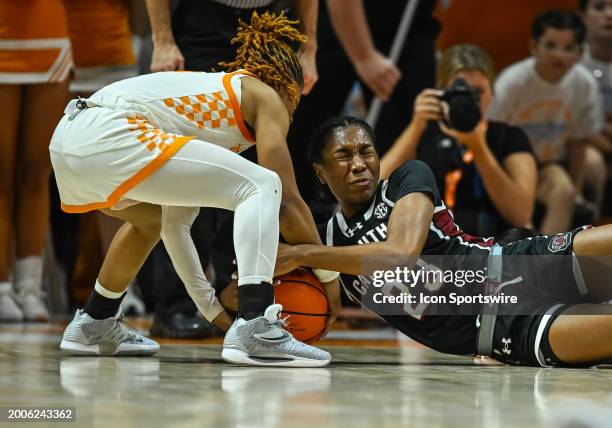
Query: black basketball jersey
column 446, row 333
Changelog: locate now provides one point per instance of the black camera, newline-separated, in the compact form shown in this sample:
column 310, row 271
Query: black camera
column 463, row 106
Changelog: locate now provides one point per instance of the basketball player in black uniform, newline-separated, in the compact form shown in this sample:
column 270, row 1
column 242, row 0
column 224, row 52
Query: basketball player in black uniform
column 405, row 217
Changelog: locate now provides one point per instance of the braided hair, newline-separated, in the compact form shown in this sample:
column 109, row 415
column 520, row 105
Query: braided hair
column 265, row 50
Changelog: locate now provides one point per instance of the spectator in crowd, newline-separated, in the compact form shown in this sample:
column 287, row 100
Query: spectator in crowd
column 196, row 37
column 354, row 39
column 503, row 26
column 556, row 102
column 34, row 68
column 597, row 58
column 487, row 176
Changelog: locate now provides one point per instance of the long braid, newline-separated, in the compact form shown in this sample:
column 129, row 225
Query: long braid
column 266, row 52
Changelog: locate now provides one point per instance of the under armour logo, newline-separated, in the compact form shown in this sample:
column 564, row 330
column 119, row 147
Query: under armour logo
column 351, row 232
column 381, row 211
column 506, row 343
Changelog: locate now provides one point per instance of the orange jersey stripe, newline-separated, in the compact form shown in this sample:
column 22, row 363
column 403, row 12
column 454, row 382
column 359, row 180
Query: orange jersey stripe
column 227, row 84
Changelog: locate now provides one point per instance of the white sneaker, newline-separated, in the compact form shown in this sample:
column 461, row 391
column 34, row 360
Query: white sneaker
column 264, row 342
column 9, row 310
column 33, row 305
column 111, row 336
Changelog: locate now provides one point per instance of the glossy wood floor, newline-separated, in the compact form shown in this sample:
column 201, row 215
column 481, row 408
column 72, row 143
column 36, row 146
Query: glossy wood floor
column 374, row 381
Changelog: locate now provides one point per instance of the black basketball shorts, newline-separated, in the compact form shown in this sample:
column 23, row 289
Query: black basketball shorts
column 545, row 276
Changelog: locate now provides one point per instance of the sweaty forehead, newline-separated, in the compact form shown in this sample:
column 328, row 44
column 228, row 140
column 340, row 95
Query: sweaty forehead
column 349, row 138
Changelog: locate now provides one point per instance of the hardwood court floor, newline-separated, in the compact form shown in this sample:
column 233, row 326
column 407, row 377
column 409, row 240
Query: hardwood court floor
column 375, row 381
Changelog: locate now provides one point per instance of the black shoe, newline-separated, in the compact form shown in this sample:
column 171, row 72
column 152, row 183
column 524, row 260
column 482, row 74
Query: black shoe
column 183, row 325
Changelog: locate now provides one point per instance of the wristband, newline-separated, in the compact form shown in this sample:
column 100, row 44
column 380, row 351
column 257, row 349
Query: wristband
column 325, row 275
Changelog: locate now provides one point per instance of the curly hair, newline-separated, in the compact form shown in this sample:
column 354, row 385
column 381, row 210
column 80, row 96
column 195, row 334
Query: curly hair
column 265, row 50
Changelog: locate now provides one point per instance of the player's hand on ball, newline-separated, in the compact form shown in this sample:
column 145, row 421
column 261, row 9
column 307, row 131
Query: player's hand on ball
column 287, row 259
column 332, row 289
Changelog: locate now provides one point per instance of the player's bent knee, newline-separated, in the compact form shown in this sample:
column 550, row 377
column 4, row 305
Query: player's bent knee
column 262, row 181
column 270, row 181
column 151, row 229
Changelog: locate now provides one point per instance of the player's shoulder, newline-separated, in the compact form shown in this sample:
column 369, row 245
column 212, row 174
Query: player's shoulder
column 261, row 92
column 410, row 167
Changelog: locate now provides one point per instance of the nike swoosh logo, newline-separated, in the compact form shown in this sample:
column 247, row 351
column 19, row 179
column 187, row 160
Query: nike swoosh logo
column 280, row 338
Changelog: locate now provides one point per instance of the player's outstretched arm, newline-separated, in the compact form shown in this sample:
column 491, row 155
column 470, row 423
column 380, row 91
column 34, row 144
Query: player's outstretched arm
column 407, row 231
column 176, row 225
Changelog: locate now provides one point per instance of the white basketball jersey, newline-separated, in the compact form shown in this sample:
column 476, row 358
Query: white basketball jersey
column 198, row 104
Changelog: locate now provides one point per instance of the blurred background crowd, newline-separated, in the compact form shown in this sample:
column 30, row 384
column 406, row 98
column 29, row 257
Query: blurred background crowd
column 526, row 149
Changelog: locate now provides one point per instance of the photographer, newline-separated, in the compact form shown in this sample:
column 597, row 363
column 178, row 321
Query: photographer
column 486, row 170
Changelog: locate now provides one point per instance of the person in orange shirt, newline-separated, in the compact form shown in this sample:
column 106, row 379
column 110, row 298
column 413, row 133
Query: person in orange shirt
column 35, row 60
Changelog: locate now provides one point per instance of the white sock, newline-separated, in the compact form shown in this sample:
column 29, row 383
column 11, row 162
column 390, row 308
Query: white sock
column 28, row 273
column 106, row 293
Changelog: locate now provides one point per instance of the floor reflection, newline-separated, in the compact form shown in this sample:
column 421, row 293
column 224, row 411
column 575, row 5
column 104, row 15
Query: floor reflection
column 190, row 386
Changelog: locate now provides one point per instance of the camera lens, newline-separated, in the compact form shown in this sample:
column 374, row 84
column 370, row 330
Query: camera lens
column 464, row 113
column 464, row 109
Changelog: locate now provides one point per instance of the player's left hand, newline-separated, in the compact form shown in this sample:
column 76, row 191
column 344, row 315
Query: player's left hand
column 474, row 140
column 307, row 56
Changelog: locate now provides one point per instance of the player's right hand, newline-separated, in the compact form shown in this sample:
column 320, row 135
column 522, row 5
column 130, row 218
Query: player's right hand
column 286, row 259
column 379, row 73
column 167, row 57
column 332, row 290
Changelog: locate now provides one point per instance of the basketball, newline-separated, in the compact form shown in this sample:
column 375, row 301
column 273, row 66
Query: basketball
column 304, row 302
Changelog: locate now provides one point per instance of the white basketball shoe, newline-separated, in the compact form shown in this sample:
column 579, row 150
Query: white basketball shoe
column 263, row 341
column 111, row 336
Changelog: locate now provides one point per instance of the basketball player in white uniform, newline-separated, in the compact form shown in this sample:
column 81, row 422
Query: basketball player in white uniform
column 172, row 140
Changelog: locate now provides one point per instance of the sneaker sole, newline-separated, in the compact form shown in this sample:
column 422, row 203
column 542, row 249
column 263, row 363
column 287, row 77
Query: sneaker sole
column 237, row 356
column 75, row 348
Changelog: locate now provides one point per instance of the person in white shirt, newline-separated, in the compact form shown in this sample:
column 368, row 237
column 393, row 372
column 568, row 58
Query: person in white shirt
column 556, row 102
column 597, row 58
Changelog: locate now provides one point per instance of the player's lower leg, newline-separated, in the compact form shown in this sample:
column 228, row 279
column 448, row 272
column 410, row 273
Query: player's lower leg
column 98, row 329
